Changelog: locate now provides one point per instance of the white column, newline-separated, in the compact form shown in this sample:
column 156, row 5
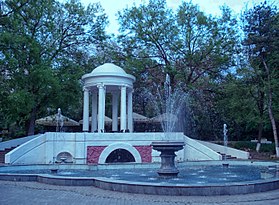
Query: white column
column 94, row 112
column 104, row 109
column 123, row 120
column 85, row 126
column 115, row 99
column 101, row 107
column 130, row 111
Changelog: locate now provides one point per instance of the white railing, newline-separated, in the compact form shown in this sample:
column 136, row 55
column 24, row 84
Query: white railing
column 195, row 150
column 25, row 148
column 16, row 142
column 227, row 150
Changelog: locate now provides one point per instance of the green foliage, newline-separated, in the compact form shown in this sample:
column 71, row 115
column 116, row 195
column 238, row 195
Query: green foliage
column 40, row 41
column 243, row 98
column 261, row 28
column 188, row 44
column 193, row 48
column 243, row 103
column 244, row 145
column 247, row 145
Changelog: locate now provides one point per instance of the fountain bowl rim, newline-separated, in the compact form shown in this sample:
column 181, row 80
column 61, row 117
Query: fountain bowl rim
column 168, row 143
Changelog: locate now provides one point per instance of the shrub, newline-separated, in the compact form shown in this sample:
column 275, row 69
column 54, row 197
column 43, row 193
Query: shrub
column 247, row 145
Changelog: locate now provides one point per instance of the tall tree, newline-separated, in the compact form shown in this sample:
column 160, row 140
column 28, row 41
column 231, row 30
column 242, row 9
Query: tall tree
column 243, row 103
column 34, row 39
column 261, row 28
column 193, row 48
column 206, row 44
column 147, row 32
column 187, row 43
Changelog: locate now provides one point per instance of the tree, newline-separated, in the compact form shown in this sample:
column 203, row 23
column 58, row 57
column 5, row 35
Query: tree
column 35, row 39
column 261, row 28
column 194, row 49
column 242, row 101
column 146, row 35
column 188, row 44
column 206, row 45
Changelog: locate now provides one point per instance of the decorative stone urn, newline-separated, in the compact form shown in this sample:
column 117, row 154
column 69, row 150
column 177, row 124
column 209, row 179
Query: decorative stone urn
column 168, row 149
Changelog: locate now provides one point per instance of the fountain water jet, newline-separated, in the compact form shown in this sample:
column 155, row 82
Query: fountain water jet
column 168, row 147
column 225, row 130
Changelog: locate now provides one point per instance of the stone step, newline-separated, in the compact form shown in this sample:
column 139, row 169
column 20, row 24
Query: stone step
column 224, row 156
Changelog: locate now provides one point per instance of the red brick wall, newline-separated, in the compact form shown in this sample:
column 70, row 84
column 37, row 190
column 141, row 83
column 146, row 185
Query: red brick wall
column 145, row 153
column 93, row 154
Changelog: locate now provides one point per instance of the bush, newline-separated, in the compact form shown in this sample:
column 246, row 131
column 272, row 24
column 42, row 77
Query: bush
column 247, row 145
column 268, row 148
column 244, row 145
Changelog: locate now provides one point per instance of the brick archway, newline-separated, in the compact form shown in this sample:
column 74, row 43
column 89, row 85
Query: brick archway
column 106, row 152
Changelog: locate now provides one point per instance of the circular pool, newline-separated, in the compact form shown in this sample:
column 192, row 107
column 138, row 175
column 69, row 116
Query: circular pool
column 195, row 178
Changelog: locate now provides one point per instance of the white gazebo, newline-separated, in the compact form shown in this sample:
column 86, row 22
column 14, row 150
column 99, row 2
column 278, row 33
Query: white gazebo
column 108, row 78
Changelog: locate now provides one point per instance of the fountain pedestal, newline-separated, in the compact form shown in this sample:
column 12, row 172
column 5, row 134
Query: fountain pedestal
column 167, row 149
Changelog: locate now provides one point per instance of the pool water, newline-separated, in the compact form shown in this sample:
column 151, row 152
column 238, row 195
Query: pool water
column 197, row 174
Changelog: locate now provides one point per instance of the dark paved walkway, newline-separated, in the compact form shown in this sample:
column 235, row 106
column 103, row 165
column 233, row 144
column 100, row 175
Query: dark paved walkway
column 24, row 193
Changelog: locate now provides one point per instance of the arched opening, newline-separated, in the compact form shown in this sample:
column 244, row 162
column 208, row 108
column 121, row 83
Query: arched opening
column 120, row 155
column 64, row 157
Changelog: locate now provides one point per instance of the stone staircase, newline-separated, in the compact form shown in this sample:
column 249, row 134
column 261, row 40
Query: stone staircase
column 226, row 156
column 231, row 152
column 9, row 145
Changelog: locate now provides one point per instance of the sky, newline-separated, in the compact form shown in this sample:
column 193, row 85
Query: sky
column 208, row 6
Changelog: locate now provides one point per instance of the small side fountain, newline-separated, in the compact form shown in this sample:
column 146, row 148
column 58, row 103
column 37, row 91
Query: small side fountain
column 53, row 170
column 225, row 131
column 167, row 148
column 59, row 121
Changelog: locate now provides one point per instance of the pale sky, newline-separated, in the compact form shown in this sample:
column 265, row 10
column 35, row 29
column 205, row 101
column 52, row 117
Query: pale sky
column 208, row 6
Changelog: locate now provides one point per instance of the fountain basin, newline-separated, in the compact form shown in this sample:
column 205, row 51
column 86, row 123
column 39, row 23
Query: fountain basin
column 121, row 177
column 168, row 149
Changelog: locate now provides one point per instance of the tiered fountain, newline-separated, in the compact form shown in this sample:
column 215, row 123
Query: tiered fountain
column 168, row 147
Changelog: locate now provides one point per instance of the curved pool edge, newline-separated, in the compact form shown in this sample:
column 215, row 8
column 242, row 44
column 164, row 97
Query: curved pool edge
column 150, row 188
column 188, row 190
column 233, row 188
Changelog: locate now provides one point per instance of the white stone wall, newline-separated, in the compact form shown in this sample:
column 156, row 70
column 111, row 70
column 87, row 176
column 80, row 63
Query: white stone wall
column 45, row 148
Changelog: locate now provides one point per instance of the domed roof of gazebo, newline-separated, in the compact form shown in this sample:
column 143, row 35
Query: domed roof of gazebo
column 108, row 68
column 108, row 74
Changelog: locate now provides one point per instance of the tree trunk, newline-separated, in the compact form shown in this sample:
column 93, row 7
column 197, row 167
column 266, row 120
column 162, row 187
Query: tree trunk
column 260, row 103
column 270, row 112
column 273, row 123
column 260, row 133
column 31, row 123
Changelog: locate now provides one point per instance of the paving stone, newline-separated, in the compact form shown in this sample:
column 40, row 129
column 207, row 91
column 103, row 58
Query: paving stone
column 37, row 193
